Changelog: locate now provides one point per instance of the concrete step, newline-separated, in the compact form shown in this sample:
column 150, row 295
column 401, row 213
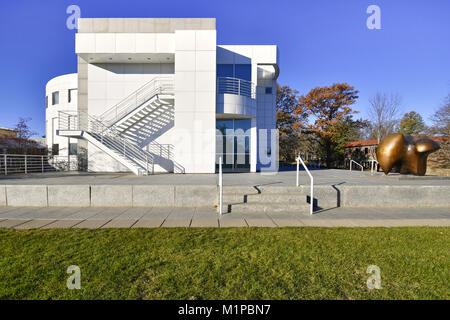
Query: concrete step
column 264, row 197
column 266, row 208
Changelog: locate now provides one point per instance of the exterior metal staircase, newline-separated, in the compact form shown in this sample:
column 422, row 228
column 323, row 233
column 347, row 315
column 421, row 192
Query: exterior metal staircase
column 127, row 131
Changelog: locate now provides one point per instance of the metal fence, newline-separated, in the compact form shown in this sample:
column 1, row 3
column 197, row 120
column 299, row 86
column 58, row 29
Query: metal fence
column 22, row 163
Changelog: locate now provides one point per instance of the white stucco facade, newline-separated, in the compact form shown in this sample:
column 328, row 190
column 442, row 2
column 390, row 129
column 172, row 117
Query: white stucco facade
column 57, row 92
column 163, row 86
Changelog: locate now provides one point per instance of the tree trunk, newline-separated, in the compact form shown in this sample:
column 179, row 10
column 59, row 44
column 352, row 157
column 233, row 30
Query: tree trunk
column 328, row 153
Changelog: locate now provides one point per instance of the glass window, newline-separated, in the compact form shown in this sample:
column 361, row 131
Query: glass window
column 268, row 90
column 240, row 71
column 46, row 102
column 55, row 149
column 73, row 149
column 243, row 124
column 233, row 145
column 72, row 94
column 222, row 125
column 243, row 71
column 55, row 97
column 225, row 70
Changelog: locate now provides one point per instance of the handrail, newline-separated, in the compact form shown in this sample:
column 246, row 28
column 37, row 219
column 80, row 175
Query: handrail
column 220, row 186
column 159, row 85
column 351, row 160
column 107, row 135
column 372, row 165
column 236, row 86
column 311, row 210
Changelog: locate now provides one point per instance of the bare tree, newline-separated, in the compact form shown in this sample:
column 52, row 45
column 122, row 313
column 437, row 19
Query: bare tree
column 441, row 119
column 23, row 129
column 384, row 112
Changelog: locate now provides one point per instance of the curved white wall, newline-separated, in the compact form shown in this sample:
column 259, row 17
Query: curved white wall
column 235, row 104
column 61, row 84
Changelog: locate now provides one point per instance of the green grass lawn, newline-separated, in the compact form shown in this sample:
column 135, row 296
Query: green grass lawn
column 237, row 263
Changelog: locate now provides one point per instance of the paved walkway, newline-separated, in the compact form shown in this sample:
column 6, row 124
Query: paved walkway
column 95, row 218
column 281, row 178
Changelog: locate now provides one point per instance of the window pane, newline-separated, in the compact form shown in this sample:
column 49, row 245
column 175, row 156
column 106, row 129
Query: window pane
column 243, row 124
column 55, row 97
column 72, row 94
column 55, row 149
column 73, row 148
column 243, row 71
column 225, row 70
column 222, row 125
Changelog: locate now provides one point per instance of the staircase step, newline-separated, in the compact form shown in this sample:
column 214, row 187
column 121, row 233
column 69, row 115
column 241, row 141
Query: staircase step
column 266, row 208
column 266, row 197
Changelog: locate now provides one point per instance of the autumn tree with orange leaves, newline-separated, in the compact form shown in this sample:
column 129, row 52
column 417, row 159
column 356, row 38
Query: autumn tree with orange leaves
column 331, row 115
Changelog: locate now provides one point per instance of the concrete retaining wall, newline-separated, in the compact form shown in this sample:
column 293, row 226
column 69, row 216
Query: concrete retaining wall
column 395, row 196
column 325, row 196
column 107, row 196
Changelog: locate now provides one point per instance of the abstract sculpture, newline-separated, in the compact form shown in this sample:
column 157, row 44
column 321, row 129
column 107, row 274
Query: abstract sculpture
column 405, row 154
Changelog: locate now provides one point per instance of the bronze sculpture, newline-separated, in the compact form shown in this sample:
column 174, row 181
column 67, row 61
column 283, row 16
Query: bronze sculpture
column 406, row 154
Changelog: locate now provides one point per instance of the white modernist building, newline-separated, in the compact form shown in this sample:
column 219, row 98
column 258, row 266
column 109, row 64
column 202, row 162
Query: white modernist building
column 61, row 94
column 159, row 95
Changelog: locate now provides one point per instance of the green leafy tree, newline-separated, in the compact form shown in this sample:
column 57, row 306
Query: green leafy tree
column 411, row 124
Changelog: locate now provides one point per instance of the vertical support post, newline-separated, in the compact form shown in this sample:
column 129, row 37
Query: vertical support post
column 351, row 165
column 311, row 208
column 26, row 168
column 220, row 187
column 298, row 167
column 146, row 163
column 42, row 163
column 6, row 164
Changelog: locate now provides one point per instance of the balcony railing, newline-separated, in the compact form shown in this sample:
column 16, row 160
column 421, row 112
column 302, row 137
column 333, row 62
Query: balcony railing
column 236, row 86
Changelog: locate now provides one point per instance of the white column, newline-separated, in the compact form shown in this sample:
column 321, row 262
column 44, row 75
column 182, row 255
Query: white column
column 253, row 146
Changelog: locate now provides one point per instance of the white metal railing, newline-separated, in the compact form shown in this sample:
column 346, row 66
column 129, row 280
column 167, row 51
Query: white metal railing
column 109, row 136
column 353, row 161
column 26, row 163
column 236, row 86
column 220, row 186
column 299, row 159
column 160, row 85
column 372, row 165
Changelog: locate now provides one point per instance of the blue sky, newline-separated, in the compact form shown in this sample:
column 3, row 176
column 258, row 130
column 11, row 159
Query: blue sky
column 320, row 42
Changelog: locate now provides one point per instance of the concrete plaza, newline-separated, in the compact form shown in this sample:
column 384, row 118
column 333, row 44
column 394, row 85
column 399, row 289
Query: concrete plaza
column 280, row 178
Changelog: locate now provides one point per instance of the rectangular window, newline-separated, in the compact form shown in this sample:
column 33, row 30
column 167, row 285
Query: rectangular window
column 240, row 71
column 243, row 71
column 55, row 97
column 225, row 70
column 268, row 90
column 73, row 149
column 46, row 102
column 55, row 149
column 72, row 94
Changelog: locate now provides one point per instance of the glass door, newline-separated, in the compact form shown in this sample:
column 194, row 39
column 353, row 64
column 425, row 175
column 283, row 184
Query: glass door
column 233, row 144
